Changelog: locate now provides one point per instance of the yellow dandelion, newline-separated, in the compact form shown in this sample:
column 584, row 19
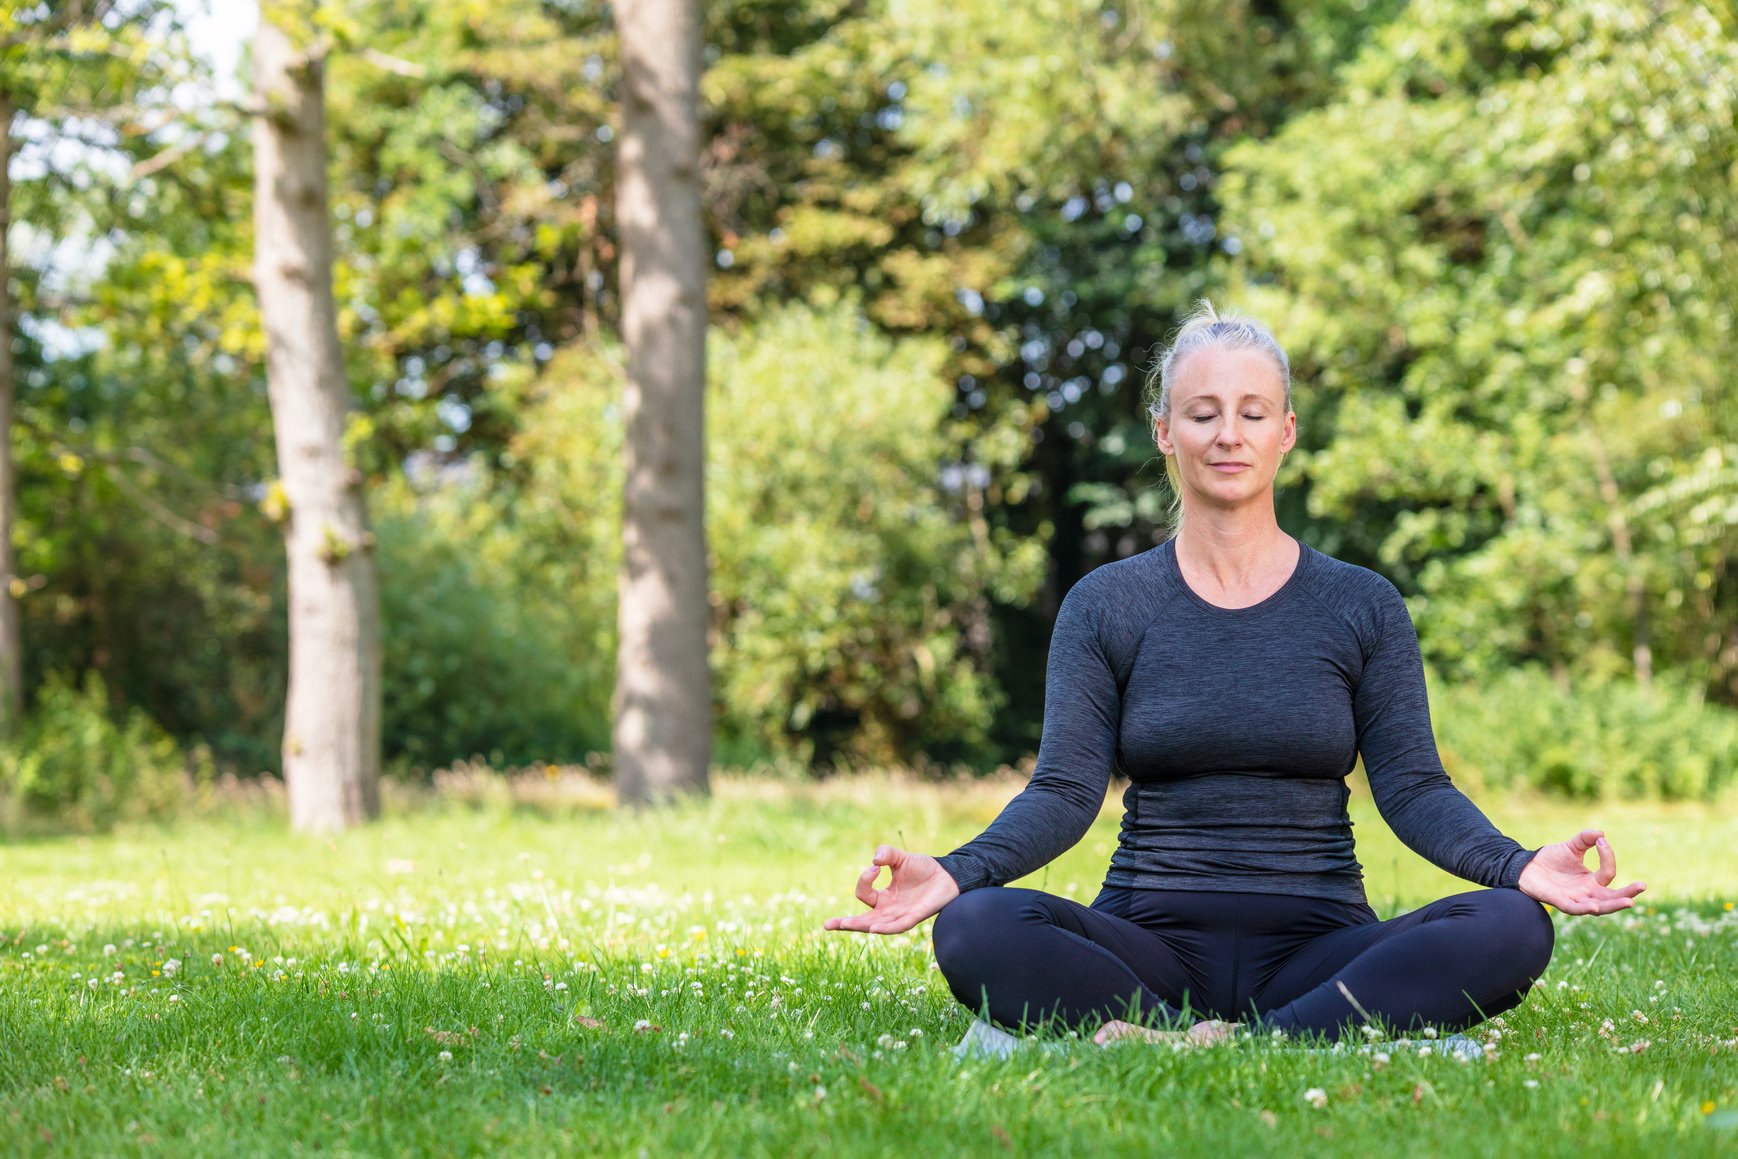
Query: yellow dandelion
column 1708, row 1107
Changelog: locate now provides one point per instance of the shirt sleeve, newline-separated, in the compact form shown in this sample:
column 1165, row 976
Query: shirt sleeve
column 1082, row 715
column 1411, row 788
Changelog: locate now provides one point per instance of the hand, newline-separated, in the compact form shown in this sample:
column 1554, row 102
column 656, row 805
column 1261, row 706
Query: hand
column 1558, row 876
column 918, row 889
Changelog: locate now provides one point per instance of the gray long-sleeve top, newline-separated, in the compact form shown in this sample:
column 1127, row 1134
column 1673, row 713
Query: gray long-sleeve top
column 1237, row 729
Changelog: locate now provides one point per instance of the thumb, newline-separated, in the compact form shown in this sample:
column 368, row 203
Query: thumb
column 887, row 855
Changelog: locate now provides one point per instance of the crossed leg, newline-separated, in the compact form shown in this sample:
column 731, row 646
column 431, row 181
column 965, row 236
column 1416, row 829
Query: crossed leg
column 1028, row 958
column 1451, row 964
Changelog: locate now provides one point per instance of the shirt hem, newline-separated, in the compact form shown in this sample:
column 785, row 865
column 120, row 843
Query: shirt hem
column 1346, row 889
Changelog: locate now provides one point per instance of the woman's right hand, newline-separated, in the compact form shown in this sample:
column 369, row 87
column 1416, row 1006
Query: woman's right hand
column 917, row 890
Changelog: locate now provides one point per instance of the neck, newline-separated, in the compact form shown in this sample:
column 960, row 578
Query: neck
column 1233, row 546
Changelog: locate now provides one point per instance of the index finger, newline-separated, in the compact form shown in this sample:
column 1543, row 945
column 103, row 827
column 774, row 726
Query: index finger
column 1607, row 863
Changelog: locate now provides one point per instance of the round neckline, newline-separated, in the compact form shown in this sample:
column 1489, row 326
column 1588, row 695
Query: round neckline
column 1304, row 552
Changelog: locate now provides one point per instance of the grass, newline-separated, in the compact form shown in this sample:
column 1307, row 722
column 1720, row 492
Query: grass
column 466, row 981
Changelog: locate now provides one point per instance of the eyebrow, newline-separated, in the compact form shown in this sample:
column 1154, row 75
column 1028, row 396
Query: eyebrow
column 1246, row 398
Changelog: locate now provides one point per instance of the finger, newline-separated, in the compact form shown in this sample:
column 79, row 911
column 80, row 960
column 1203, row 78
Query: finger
column 1583, row 841
column 1607, row 863
column 889, row 856
column 1608, row 905
column 866, row 891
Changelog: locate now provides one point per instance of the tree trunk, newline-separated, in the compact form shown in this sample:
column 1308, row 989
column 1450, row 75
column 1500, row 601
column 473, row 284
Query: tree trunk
column 332, row 718
column 11, row 636
column 663, row 700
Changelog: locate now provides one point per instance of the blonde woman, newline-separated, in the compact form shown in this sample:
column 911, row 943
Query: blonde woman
column 1235, row 676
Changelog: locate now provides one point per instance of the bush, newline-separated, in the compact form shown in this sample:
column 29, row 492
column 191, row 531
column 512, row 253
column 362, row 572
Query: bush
column 485, row 656
column 1610, row 738
column 75, row 767
column 852, row 569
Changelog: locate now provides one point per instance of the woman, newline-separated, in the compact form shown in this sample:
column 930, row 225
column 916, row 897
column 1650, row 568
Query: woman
column 1235, row 675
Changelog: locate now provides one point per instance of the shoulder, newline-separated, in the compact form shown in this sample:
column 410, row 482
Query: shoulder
column 1366, row 601
column 1114, row 602
column 1338, row 582
column 1138, row 582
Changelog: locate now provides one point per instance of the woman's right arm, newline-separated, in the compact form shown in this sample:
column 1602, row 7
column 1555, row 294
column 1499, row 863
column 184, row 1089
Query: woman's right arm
column 1077, row 750
column 1082, row 714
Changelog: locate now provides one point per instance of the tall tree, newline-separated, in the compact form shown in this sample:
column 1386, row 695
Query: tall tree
column 332, row 717
column 663, row 700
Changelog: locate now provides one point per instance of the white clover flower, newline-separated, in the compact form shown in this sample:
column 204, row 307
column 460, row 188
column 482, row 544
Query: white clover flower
column 1316, row 1097
column 445, row 1056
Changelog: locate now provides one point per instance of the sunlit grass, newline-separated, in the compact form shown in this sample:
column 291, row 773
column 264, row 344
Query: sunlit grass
column 469, row 981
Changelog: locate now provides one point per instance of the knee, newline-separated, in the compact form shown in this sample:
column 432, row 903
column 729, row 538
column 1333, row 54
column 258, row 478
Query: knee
column 966, row 927
column 1524, row 926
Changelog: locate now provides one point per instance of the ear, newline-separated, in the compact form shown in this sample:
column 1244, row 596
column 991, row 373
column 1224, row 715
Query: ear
column 1162, row 437
column 1288, row 439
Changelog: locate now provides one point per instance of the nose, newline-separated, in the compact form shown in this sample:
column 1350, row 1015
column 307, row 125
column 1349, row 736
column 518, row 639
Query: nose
column 1230, row 433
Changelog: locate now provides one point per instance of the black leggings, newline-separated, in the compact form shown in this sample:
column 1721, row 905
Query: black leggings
column 1273, row 962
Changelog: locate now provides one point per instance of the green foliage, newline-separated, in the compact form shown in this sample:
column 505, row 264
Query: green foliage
column 1597, row 739
column 850, row 559
column 482, row 657
column 75, row 767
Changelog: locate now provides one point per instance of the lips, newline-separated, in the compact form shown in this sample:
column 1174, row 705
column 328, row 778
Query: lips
column 1229, row 468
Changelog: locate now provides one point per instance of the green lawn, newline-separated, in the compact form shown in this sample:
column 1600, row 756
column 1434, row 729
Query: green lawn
column 497, row 980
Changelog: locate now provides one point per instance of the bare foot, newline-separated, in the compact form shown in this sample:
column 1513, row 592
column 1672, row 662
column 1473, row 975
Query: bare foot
column 1200, row 1034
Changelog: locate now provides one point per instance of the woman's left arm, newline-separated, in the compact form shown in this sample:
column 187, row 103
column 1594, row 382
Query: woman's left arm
column 1427, row 812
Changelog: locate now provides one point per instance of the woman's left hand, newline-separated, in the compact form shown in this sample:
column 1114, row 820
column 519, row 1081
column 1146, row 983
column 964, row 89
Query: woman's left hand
column 1559, row 876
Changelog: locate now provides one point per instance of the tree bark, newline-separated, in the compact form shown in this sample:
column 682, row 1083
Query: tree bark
column 332, row 717
column 663, row 697
column 11, row 634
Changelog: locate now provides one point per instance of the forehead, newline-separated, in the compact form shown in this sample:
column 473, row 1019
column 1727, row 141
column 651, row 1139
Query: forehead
column 1227, row 374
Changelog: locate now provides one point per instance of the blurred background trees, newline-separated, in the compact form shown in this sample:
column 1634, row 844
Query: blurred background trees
column 945, row 242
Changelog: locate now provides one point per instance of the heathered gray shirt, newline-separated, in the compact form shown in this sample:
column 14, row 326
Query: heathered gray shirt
column 1237, row 729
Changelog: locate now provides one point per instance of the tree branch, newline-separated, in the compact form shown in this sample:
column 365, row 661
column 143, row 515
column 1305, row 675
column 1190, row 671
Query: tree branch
column 169, row 156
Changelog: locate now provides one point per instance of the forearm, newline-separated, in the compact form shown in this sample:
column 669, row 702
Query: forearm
column 1439, row 823
column 1046, row 820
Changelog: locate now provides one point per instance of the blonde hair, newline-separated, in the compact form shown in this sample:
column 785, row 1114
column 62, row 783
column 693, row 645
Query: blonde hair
column 1205, row 328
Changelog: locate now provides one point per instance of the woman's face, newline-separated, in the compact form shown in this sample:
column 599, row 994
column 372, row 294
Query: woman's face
column 1228, row 427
